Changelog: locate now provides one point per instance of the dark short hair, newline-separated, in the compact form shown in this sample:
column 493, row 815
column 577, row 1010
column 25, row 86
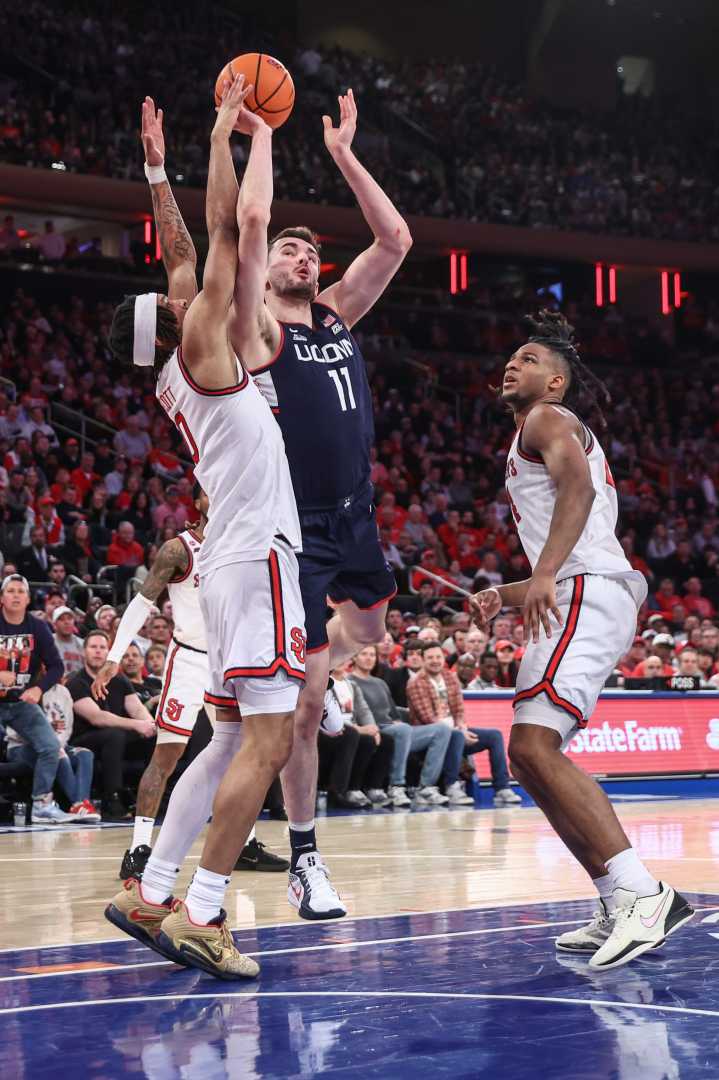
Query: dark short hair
column 413, row 646
column 122, row 333
column 427, row 645
column 196, row 491
column 97, row 632
column 297, row 232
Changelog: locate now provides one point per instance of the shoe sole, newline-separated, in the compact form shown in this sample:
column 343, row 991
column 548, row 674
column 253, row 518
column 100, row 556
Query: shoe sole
column 113, row 915
column 192, row 960
column 313, row 916
column 683, row 915
column 264, row 869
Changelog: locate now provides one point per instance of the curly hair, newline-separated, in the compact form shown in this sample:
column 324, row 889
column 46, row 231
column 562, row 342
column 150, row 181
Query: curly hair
column 122, row 333
column 551, row 329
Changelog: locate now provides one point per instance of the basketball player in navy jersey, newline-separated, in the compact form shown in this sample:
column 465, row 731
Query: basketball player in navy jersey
column 296, row 340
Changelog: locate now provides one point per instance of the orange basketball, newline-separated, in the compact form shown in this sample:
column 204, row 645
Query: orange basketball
column 273, row 92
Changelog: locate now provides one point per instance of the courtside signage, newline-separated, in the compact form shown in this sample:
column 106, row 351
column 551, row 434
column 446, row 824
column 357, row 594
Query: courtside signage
column 659, row 734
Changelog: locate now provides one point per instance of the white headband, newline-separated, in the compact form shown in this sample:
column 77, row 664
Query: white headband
column 143, row 352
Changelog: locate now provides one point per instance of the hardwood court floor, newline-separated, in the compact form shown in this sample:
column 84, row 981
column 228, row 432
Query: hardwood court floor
column 445, row 966
column 54, row 884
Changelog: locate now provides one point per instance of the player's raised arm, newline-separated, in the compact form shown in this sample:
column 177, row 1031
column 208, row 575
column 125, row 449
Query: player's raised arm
column 254, row 204
column 171, row 562
column 176, row 247
column 370, row 273
column 559, row 440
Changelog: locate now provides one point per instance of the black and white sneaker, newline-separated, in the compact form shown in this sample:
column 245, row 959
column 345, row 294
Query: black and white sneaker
column 640, row 923
column 255, row 856
column 310, row 890
column 588, row 939
column 134, row 862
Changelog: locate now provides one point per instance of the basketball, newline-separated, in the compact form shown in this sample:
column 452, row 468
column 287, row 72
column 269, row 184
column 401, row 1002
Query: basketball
column 273, row 92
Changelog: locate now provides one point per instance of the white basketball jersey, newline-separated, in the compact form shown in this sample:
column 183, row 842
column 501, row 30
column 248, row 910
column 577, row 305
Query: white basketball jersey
column 184, row 595
column 532, row 496
column 239, row 456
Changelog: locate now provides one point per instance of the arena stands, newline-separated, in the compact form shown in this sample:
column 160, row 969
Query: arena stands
column 444, row 138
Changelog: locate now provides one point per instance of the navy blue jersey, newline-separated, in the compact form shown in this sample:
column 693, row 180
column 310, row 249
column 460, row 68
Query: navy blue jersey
column 316, row 384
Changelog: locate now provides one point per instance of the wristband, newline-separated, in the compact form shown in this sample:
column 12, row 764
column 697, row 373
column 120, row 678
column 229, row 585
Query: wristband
column 155, row 173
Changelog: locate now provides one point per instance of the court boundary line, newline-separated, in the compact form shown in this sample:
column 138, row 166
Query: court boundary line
column 346, row 945
column 411, row 994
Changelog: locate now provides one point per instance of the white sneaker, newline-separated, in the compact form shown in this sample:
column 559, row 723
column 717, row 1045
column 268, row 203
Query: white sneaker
column 398, row 796
column 50, row 814
column 505, row 796
column 333, row 719
column 589, row 938
column 378, row 797
column 359, row 798
column 310, row 890
column 430, row 796
column 641, row 923
column 457, row 795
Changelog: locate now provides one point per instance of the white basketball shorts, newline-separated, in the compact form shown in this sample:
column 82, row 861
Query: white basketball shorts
column 560, row 678
column 256, row 639
column 183, row 689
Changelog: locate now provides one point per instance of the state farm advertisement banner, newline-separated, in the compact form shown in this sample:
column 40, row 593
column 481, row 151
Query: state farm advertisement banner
column 654, row 734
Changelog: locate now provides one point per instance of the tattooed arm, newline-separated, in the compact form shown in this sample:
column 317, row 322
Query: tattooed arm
column 178, row 251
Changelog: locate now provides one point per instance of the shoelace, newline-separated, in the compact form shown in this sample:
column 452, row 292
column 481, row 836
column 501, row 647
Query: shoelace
column 622, row 915
column 317, row 878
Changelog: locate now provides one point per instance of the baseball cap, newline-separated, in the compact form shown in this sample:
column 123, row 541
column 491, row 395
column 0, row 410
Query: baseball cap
column 663, row 639
column 655, row 618
column 72, row 441
column 14, row 577
column 649, row 635
column 411, row 629
column 62, row 610
column 505, row 644
column 46, row 500
column 105, row 607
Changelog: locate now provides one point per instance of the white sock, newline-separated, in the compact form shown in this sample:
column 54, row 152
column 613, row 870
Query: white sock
column 206, row 895
column 301, row 826
column 191, row 802
column 142, row 832
column 627, row 871
column 605, row 888
column 158, row 879
column 252, row 836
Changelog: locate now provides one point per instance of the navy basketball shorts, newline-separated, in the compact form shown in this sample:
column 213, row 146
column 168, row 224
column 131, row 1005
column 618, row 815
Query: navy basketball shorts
column 341, row 559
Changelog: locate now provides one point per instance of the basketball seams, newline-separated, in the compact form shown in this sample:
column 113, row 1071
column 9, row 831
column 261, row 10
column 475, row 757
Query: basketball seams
column 254, row 102
column 269, row 97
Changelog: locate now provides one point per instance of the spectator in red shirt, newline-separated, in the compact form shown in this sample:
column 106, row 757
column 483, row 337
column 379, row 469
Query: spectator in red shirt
column 664, row 599
column 636, row 655
column 124, row 549
column 695, row 603
column 652, row 668
column 449, row 534
column 84, row 476
column 47, row 517
column 164, row 461
column 508, row 667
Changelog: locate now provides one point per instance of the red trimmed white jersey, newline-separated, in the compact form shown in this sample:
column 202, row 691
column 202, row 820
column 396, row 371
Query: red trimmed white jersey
column 532, row 497
column 185, row 598
column 239, row 457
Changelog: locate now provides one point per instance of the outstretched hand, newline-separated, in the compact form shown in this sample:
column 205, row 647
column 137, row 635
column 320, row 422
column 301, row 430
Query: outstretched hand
column 153, row 137
column 340, row 138
column 232, row 115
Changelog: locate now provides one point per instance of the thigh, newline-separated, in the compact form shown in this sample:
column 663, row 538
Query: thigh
column 365, row 579
column 255, row 623
column 486, row 739
column 560, row 678
column 22, row 755
column 319, row 562
column 183, row 688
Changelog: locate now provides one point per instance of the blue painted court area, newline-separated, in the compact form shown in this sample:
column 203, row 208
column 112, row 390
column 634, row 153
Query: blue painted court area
column 458, row 994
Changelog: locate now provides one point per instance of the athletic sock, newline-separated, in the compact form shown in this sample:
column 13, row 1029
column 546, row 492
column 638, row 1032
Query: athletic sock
column 206, row 895
column 252, row 836
column 302, row 840
column 191, row 803
column 627, row 871
column 605, row 888
column 158, row 879
column 142, row 832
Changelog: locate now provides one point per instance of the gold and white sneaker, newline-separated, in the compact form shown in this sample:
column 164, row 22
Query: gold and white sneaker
column 208, row 946
column 130, row 912
column 640, row 923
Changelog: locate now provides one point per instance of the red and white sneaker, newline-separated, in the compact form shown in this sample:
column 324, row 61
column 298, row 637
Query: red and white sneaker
column 84, row 813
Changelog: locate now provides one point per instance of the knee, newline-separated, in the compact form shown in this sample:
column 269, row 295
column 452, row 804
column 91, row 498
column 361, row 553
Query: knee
column 278, row 750
column 367, row 634
column 166, row 757
column 456, row 738
column 530, row 752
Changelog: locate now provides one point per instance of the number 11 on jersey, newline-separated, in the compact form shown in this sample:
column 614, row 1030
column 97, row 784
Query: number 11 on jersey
column 335, row 376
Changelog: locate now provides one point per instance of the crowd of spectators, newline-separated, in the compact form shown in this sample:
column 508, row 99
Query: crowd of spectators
column 444, row 137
